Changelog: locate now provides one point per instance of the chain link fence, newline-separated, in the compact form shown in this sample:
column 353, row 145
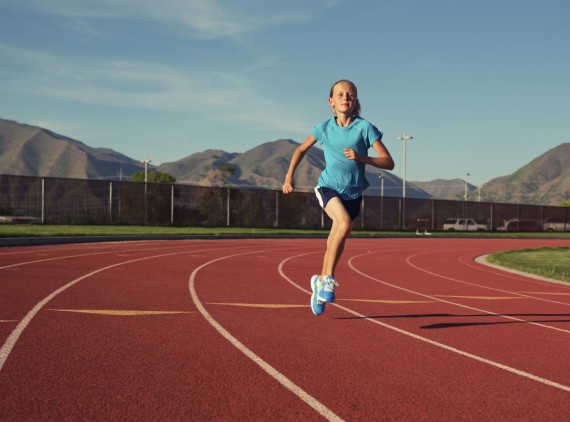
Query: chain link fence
column 72, row 201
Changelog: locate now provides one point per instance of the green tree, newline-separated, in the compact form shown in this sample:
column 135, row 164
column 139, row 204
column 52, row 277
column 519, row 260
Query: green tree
column 213, row 207
column 565, row 203
column 153, row 177
column 220, row 175
column 146, row 203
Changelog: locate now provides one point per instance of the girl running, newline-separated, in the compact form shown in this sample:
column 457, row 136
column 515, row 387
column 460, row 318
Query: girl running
column 346, row 138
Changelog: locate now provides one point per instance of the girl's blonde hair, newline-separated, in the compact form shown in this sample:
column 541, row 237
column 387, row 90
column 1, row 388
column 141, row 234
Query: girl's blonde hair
column 356, row 111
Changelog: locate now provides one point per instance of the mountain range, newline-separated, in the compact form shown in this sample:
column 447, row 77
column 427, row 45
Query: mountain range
column 265, row 166
column 33, row 151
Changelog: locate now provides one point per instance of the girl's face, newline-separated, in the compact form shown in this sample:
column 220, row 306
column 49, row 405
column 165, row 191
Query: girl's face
column 343, row 99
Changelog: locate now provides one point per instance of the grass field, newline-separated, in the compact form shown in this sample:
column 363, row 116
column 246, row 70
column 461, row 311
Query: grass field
column 42, row 230
column 546, row 262
column 37, row 230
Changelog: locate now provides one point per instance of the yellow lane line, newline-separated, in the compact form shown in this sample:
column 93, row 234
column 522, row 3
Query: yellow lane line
column 483, row 297
column 387, row 301
column 260, row 305
column 283, row 306
column 547, row 293
column 118, row 312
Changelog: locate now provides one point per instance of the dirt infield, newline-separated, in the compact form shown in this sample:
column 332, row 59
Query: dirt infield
column 222, row 330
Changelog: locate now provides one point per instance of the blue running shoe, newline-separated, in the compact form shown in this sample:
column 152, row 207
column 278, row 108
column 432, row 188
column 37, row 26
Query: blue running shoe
column 326, row 290
column 316, row 306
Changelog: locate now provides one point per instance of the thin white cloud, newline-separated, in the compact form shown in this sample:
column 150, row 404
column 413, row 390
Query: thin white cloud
column 203, row 18
column 71, row 128
column 217, row 95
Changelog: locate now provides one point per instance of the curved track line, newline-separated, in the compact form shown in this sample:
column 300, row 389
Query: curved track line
column 118, row 251
column 409, row 262
column 63, row 247
column 55, row 258
column 424, row 339
column 439, row 299
column 274, row 373
column 17, row 332
column 510, row 273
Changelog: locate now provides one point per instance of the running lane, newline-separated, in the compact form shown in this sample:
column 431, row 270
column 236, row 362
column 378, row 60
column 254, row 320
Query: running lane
column 223, row 330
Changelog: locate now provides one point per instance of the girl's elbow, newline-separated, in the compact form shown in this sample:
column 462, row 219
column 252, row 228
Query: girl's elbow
column 301, row 150
column 389, row 164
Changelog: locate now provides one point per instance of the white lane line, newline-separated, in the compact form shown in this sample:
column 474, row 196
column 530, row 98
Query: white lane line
column 409, row 262
column 439, row 299
column 55, row 258
column 17, row 332
column 509, row 272
column 274, row 373
column 424, row 339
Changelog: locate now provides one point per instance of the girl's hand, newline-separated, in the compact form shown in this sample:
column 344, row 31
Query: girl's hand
column 288, row 187
column 350, row 154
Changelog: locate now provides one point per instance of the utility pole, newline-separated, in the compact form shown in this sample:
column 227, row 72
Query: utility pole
column 404, row 138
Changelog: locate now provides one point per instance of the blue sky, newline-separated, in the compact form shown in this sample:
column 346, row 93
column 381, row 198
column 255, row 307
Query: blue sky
column 482, row 86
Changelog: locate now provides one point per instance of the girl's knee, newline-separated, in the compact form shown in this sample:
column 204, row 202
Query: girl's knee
column 347, row 229
column 343, row 227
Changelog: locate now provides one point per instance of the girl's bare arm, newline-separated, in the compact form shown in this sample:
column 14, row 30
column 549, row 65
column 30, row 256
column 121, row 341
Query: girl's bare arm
column 383, row 161
column 289, row 185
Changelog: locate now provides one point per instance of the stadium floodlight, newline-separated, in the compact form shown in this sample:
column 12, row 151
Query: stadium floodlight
column 381, row 177
column 404, row 138
column 145, row 162
column 467, row 174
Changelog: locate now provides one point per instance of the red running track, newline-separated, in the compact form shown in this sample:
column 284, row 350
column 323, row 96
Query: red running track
column 222, row 330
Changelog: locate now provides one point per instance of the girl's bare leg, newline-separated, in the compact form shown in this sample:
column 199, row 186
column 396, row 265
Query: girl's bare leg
column 340, row 230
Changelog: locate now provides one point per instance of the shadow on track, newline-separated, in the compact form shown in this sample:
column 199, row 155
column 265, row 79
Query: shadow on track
column 468, row 324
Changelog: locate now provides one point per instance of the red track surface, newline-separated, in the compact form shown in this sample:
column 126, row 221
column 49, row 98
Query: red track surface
column 222, row 330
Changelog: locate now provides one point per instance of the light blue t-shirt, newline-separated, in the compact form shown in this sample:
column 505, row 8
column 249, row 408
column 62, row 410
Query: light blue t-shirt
column 341, row 174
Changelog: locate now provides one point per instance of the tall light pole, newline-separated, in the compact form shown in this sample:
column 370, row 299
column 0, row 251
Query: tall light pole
column 404, row 138
column 466, row 176
column 381, row 177
column 145, row 162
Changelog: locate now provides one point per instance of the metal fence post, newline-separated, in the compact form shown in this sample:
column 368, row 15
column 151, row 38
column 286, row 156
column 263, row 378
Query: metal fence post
column 172, row 204
column 43, row 200
column 228, row 207
column 276, row 208
column 362, row 212
column 382, row 210
column 145, row 203
column 111, row 202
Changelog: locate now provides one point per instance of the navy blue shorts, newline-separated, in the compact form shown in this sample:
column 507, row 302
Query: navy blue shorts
column 324, row 195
